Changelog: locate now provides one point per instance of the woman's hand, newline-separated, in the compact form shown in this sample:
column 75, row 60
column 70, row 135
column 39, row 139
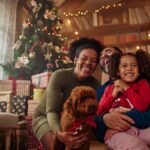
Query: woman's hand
column 118, row 121
column 71, row 140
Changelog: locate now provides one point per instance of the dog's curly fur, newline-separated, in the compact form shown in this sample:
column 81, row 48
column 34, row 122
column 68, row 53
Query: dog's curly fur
column 80, row 104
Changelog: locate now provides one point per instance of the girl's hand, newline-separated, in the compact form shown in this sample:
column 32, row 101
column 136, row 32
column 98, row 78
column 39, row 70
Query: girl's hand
column 121, row 84
column 116, row 90
column 123, row 121
column 71, row 140
column 109, row 133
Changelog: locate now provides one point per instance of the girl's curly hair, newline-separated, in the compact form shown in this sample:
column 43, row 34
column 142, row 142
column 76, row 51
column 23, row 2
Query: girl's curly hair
column 83, row 43
column 143, row 60
column 113, row 66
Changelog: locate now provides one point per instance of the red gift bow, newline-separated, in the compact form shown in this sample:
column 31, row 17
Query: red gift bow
column 77, row 124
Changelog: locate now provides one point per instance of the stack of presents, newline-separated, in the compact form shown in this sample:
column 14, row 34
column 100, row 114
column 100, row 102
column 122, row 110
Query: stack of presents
column 26, row 95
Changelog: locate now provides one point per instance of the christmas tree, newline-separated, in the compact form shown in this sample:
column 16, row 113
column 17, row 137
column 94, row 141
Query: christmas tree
column 40, row 47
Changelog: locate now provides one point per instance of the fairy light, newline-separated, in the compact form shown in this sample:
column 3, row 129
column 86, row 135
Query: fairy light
column 65, row 38
column 45, row 28
column 120, row 4
column 137, row 47
column 97, row 10
column 82, row 13
column 76, row 32
column 68, row 21
column 148, row 35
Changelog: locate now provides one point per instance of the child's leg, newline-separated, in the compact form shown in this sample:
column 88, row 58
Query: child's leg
column 134, row 131
column 126, row 141
column 144, row 134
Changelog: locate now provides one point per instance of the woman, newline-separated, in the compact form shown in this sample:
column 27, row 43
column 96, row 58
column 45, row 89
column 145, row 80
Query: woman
column 85, row 54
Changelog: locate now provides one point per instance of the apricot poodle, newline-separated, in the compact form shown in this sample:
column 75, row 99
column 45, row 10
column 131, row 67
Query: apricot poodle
column 78, row 112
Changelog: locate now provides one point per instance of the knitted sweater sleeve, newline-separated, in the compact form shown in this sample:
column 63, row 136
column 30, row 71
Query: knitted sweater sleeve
column 142, row 119
column 54, row 100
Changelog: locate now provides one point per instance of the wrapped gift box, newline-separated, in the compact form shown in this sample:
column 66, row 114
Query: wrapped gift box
column 23, row 87
column 20, row 105
column 38, row 93
column 19, row 87
column 3, row 106
column 6, row 85
column 31, row 106
column 41, row 80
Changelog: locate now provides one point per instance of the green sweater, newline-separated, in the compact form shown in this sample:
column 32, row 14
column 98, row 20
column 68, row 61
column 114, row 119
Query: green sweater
column 47, row 114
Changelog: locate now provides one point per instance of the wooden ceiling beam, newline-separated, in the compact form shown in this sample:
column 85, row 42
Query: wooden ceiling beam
column 72, row 5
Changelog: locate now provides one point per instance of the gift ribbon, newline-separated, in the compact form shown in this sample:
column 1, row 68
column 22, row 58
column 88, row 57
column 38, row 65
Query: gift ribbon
column 13, row 84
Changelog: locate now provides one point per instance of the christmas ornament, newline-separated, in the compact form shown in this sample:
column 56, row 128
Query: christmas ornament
column 49, row 67
column 48, row 56
column 32, row 55
column 57, row 49
column 47, row 14
column 17, row 45
column 40, row 23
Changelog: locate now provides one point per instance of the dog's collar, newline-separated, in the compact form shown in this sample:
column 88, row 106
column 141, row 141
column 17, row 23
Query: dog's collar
column 77, row 124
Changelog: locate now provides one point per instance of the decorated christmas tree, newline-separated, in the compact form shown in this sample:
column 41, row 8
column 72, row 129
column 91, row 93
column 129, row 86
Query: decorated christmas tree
column 40, row 46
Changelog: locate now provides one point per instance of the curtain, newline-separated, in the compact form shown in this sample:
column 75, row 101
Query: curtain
column 8, row 9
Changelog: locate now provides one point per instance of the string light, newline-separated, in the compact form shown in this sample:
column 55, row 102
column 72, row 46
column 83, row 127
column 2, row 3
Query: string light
column 76, row 32
column 148, row 34
column 68, row 21
column 80, row 13
column 137, row 47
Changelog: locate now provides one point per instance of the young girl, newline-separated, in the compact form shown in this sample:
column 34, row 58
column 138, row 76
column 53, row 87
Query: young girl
column 130, row 90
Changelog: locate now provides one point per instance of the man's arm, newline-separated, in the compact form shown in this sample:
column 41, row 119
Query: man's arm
column 141, row 119
column 101, row 89
column 100, row 128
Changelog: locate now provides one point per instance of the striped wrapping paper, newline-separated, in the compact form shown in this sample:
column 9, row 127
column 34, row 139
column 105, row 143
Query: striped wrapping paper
column 31, row 106
column 23, row 87
column 19, row 87
column 41, row 80
column 6, row 85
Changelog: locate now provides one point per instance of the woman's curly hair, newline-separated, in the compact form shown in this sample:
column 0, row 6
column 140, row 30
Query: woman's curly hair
column 143, row 60
column 83, row 43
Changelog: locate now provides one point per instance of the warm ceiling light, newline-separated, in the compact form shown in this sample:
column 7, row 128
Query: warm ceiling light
column 76, row 33
column 69, row 22
column 137, row 47
column 149, row 35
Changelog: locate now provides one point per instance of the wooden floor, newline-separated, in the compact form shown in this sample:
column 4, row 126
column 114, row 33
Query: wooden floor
column 95, row 145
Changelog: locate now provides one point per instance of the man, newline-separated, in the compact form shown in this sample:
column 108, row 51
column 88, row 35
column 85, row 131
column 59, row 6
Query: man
column 118, row 120
column 104, row 62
